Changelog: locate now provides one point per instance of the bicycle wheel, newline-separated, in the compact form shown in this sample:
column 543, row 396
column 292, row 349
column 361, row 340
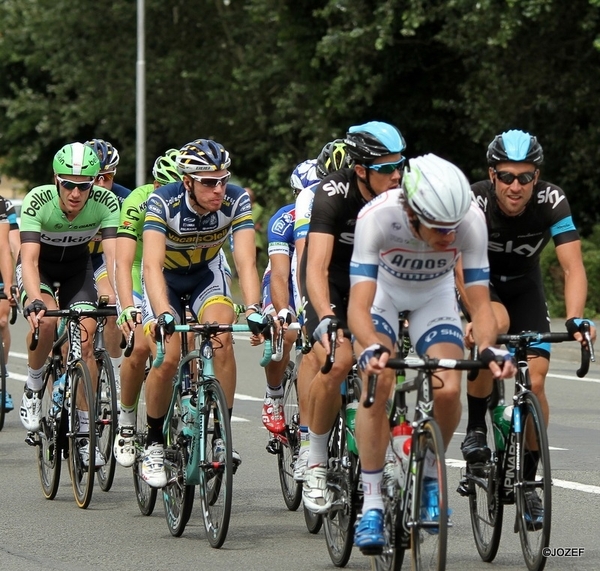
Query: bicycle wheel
column 429, row 533
column 144, row 494
column 106, row 419
column 396, row 541
column 534, row 496
column 290, row 446
column 178, row 497
column 486, row 509
column 338, row 522
column 81, row 394
column 313, row 521
column 2, row 383
column 216, row 476
column 49, row 444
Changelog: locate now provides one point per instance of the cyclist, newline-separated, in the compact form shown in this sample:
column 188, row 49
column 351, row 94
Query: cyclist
column 14, row 237
column 522, row 213
column 109, row 161
column 6, row 281
column 130, row 297
column 57, row 223
column 304, row 180
column 376, row 149
column 406, row 245
column 185, row 227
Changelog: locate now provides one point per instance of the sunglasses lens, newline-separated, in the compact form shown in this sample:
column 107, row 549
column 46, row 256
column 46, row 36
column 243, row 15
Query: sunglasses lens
column 509, row 178
column 70, row 185
column 212, row 182
column 389, row 168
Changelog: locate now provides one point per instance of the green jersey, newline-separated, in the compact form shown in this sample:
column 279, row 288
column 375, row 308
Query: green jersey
column 133, row 212
column 60, row 239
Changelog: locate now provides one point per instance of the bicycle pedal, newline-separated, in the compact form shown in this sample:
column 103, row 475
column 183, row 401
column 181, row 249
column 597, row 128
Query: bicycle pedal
column 464, row 489
column 273, row 446
column 371, row 551
column 31, row 440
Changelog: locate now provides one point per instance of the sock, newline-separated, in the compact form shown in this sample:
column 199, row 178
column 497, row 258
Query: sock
column 155, row 430
column 84, row 421
column 116, row 363
column 35, row 378
column 318, row 449
column 304, row 437
column 477, row 410
column 274, row 392
column 127, row 416
column 371, row 482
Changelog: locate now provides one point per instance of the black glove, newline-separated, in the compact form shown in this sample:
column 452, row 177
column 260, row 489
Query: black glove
column 574, row 324
column 34, row 307
column 167, row 322
column 256, row 322
column 492, row 353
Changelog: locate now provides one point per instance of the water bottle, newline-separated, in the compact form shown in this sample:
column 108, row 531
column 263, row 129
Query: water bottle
column 58, row 394
column 401, row 437
column 502, row 420
column 351, row 409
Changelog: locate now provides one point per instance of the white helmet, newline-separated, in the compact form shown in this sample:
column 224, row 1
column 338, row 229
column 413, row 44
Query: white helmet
column 436, row 189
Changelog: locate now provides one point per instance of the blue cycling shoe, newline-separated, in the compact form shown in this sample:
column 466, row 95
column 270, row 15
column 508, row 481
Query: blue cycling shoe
column 8, row 403
column 430, row 504
column 368, row 536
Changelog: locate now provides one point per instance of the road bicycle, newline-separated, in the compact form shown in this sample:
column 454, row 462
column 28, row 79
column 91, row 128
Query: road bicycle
column 197, row 433
column 518, row 471
column 407, row 521
column 60, row 433
column 3, row 373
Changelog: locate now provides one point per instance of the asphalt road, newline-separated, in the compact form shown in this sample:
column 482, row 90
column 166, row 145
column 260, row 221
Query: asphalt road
column 263, row 536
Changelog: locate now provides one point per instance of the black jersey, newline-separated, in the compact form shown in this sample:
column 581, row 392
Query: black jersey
column 335, row 209
column 516, row 242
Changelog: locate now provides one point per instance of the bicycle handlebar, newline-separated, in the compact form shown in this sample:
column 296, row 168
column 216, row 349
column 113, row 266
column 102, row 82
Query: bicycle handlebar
column 332, row 332
column 278, row 352
column 211, row 329
column 73, row 313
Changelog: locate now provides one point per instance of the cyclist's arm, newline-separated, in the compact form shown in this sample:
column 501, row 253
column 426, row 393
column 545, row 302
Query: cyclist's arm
column 6, row 265
column 108, row 245
column 571, row 262
column 14, row 237
column 485, row 328
column 155, row 244
column 30, row 255
column 319, row 252
column 459, row 282
column 125, row 255
column 280, row 278
column 244, row 256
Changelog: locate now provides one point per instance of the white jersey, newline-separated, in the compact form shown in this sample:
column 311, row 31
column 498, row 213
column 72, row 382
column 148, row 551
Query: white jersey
column 386, row 250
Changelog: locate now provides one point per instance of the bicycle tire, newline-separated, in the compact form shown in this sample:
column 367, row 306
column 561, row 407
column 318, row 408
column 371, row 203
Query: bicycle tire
column 290, row 447
column 216, row 476
column 392, row 556
column 2, row 383
column 338, row 522
column 178, row 496
column 486, row 508
column 534, row 541
column 49, row 448
column 106, row 419
column 313, row 521
column 82, row 477
column 145, row 495
column 429, row 544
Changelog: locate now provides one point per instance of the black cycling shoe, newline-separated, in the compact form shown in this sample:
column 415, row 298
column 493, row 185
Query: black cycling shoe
column 474, row 447
column 534, row 511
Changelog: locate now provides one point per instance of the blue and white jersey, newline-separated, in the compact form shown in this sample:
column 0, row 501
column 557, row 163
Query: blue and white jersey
column 194, row 239
column 387, row 251
column 280, row 231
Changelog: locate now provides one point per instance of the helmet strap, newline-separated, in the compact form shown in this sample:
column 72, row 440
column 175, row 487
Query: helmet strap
column 367, row 183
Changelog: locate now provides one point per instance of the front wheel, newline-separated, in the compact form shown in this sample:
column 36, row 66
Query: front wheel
column 2, row 384
column 313, row 521
column 429, row 533
column 534, row 495
column 216, row 475
column 81, row 401
column 106, row 419
column 144, row 494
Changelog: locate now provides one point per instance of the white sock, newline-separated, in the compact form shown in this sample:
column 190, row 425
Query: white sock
column 371, row 482
column 318, row 449
column 127, row 416
column 84, row 421
column 35, row 378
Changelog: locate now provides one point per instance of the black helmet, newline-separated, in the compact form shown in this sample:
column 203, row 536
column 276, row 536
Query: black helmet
column 333, row 157
column 365, row 143
column 515, row 146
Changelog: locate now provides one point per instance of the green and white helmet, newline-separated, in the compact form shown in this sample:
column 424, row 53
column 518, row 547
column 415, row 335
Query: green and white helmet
column 76, row 159
column 165, row 170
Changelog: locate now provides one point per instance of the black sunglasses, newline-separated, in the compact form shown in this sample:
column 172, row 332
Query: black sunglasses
column 509, row 177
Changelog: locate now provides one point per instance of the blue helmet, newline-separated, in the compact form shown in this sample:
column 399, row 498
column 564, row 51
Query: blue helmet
column 515, row 146
column 365, row 143
column 202, row 155
column 304, row 175
column 108, row 155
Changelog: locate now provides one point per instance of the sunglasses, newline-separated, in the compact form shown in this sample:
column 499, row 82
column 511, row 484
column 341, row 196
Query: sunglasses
column 107, row 175
column 509, row 177
column 70, row 185
column 443, row 230
column 388, row 168
column 212, row 181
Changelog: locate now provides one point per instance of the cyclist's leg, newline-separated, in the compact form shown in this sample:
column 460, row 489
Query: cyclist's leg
column 6, row 401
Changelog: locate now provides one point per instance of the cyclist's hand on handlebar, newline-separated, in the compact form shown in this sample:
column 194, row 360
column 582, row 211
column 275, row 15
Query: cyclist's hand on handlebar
column 574, row 326
column 285, row 317
column 128, row 319
column 490, row 356
column 166, row 322
column 34, row 312
column 321, row 332
column 374, row 359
